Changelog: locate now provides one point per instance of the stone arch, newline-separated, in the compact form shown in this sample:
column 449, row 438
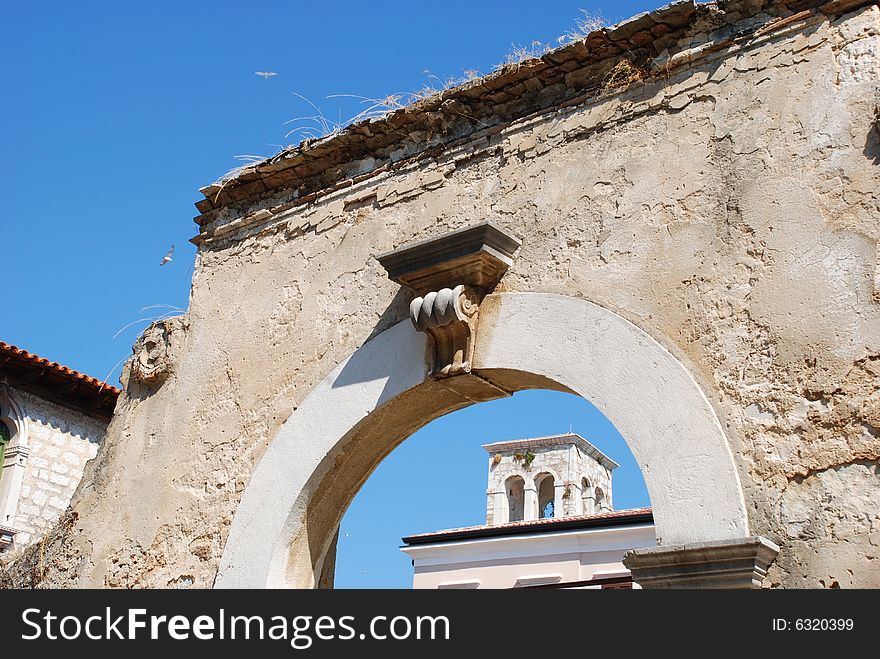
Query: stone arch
column 545, row 469
column 288, row 517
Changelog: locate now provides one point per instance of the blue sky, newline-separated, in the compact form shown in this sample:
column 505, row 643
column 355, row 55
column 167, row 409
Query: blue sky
column 114, row 114
column 437, row 479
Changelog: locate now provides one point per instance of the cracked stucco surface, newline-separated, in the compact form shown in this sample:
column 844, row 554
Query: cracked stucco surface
column 729, row 210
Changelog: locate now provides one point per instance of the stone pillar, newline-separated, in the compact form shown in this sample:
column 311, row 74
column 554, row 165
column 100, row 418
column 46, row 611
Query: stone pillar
column 559, row 500
column 530, row 502
column 739, row 563
column 588, row 504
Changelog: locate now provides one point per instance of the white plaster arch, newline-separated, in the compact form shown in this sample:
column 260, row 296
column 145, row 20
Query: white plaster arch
column 285, row 524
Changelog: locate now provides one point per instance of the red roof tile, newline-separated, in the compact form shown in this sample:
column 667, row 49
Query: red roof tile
column 611, row 518
column 63, row 384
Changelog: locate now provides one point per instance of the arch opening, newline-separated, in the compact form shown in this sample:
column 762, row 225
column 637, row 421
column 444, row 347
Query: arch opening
column 588, row 499
column 515, row 487
column 451, row 474
column 546, row 487
column 602, row 505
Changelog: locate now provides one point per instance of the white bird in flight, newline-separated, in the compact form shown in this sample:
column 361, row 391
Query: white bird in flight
column 167, row 257
column 265, row 74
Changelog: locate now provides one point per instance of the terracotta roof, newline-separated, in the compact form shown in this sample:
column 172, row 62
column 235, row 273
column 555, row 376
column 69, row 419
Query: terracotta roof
column 548, row 525
column 56, row 382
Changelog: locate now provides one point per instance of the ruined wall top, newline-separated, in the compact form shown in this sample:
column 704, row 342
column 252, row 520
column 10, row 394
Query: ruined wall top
column 655, row 43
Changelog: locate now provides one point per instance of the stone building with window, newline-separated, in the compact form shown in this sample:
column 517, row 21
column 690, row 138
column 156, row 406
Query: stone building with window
column 549, row 523
column 52, row 420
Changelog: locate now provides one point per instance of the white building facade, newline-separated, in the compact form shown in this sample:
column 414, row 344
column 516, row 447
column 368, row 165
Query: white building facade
column 549, row 523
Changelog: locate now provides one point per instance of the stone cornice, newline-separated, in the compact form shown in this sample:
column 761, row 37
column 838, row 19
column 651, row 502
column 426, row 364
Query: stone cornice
column 737, row 563
column 552, row 440
column 476, row 256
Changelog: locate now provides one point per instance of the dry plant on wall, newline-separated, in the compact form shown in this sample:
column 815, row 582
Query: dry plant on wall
column 623, row 74
column 519, row 54
column 588, row 23
column 317, row 126
column 309, row 127
column 525, row 458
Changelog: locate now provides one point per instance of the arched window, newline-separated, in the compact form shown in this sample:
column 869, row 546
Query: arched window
column 5, row 436
column 601, row 503
column 587, row 499
column 13, row 452
column 515, row 489
column 546, row 495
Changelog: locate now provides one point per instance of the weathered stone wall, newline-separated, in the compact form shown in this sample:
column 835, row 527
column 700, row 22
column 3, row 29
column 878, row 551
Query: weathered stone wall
column 726, row 205
column 61, row 441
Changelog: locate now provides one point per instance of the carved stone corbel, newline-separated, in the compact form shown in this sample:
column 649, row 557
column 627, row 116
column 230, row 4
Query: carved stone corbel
column 450, row 276
column 449, row 317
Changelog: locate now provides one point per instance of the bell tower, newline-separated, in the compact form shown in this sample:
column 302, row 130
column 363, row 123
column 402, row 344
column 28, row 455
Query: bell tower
column 554, row 476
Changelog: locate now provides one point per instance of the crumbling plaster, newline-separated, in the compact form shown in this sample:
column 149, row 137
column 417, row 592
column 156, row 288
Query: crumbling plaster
column 729, row 209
